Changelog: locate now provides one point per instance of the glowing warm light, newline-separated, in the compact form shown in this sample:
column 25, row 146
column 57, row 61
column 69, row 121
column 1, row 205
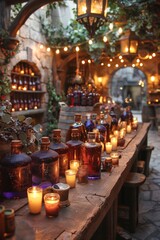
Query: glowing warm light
column 111, row 26
column 133, row 65
column 89, row 61
column 105, row 39
column 141, row 64
column 108, row 65
column 120, row 57
column 138, row 60
column 120, row 30
column 102, row 64
column 110, row 59
column 90, row 41
column 153, row 54
column 150, row 57
column 99, row 79
column 77, row 49
column 116, row 65
column 65, row 49
column 122, row 60
column 152, row 78
column 48, row 49
column 41, row 46
column 57, row 51
column 83, row 62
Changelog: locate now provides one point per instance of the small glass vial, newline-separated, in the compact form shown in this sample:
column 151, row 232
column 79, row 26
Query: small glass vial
column 91, row 153
column 16, row 172
column 62, row 149
column 45, row 165
column 9, row 222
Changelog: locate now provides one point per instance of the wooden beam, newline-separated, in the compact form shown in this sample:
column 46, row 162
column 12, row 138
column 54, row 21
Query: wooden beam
column 4, row 15
column 25, row 12
column 12, row 2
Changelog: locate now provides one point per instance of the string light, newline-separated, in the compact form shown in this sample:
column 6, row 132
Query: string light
column 111, row 26
column 65, row 49
column 105, row 39
column 77, row 49
column 48, row 49
column 83, row 62
column 57, row 51
column 90, row 41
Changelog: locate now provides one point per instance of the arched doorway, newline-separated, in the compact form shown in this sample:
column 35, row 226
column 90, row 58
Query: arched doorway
column 128, row 87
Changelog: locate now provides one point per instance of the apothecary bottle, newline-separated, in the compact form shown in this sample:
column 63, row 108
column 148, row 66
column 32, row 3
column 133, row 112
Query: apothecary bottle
column 74, row 146
column 91, row 153
column 45, row 165
column 16, row 172
column 62, row 149
column 80, row 126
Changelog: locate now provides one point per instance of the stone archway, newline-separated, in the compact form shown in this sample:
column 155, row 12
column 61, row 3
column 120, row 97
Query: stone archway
column 128, row 86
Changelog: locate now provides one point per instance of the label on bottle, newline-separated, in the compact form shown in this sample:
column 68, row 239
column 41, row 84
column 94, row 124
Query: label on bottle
column 63, row 163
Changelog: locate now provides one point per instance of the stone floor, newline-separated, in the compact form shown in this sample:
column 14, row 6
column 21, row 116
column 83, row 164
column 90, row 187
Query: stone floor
column 149, row 198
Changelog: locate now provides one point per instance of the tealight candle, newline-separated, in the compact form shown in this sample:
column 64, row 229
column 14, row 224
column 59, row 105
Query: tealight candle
column 71, row 177
column 135, row 123
column 35, row 199
column 115, row 159
column 74, row 164
column 52, row 204
column 108, row 147
column 129, row 128
column 114, row 143
column 116, row 133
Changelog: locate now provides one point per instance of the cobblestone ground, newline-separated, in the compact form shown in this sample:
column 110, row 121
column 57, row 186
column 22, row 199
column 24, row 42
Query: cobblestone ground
column 149, row 198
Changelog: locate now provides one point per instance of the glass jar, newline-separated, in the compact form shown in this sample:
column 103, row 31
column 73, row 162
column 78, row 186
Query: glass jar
column 62, row 149
column 16, row 172
column 91, row 153
column 45, row 165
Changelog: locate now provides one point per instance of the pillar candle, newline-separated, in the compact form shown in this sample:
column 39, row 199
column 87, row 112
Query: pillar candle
column 70, row 177
column 34, row 199
column 115, row 159
column 108, row 147
column 114, row 143
column 129, row 128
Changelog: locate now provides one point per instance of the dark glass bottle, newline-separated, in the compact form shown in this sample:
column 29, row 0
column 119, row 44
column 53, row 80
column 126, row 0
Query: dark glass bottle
column 14, row 84
column 101, row 128
column 77, row 96
column 38, row 84
column 16, row 172
column 45, row 165
column 91, row 153
column 20, row 83
column 25, row 84
column 70, row 97
column 62, row 149
column 74, row 145
column 114, row 122
column 89, row 124
column 77, row 124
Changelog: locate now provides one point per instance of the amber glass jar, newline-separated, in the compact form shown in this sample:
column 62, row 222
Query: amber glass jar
column 16, row 172
column 45, row 165
column 62, row 149
column 91, row 153
column 74, row 146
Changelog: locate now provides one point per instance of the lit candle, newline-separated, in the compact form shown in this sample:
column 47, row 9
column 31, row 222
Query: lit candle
column 116, row 133
column 115, row 159
column 114, row 143
column 34, row 199
column 108, row 147
column 70, row 177
column 123, row 124
column 135, row 123
column 122, row 133
column 52, row 204
column 129, row 128
column 74, row 165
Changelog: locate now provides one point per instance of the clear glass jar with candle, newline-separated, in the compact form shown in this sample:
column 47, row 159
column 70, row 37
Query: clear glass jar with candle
column 52, row 204
column 62, row 149
column 91, row 152
column 35, row 194
column 16, row 172
column 45, row 165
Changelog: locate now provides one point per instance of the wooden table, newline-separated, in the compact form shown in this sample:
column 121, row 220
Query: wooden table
column 93, row 206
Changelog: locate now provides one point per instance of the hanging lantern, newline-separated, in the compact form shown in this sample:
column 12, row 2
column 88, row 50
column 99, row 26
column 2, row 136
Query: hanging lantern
column 129, row 45
column 92, row 14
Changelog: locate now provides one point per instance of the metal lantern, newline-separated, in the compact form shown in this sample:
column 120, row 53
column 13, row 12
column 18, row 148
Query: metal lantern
column 92, row 14
column 129, row 45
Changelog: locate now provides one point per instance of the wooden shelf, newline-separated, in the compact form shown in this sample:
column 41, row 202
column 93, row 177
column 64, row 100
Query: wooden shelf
column 28, row 112
column 28, row 91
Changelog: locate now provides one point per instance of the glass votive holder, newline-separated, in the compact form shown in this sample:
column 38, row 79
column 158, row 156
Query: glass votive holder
column 82, row 174
column 115, row 159
column 74, row 164
column 71, row 177
column 63, row 190
column 107, row 164
column 35, row 199
column 52, row 204
column 114, row 143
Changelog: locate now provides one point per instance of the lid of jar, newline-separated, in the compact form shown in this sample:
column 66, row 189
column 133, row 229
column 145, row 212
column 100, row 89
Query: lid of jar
column 45, row 140
column 56, row 132
column 16, row 143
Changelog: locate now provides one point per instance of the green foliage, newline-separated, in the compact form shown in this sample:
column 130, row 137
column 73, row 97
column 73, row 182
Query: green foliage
column 53, row 108
column 15, row 10
column 4, row 83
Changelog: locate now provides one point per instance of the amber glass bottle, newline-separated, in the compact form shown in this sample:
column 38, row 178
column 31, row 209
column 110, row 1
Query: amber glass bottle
column 16, row 172
column 45, row 165
column 80, row 126
column 74, row 146
column 62, row 149
column 91, row 153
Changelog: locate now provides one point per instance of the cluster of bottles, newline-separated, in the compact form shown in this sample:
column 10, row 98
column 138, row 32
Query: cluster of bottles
column 23, row 68
column 25, row 83
column 22, row 102
column 82, row 96
column 43, row 167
